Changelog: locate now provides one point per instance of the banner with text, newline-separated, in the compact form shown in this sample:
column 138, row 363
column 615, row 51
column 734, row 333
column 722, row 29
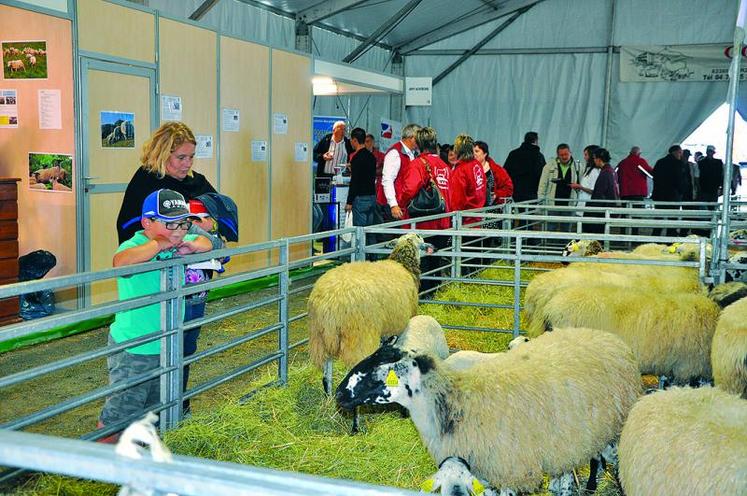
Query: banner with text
column 678, row 63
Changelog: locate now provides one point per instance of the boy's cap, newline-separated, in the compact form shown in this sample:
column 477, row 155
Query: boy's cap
column 166, row 205
column 197, row 208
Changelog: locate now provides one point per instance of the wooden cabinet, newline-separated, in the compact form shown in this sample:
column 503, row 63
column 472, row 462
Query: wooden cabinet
column 8, row 245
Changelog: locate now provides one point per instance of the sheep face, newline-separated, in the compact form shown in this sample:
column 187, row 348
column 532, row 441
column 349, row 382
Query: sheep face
column 390, row 375
column 737, row 274
column 454, row 479
column 582, row 248
column 408, row 249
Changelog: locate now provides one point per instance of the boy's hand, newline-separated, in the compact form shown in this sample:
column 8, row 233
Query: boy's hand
column 164, row 243
column 187, row 247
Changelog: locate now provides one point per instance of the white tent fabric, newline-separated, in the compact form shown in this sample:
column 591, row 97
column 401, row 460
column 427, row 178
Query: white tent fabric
column 499, row 97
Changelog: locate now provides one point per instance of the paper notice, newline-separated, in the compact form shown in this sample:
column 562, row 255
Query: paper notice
column 8, row 108
column 231, row 120
column 204, row 147
column 279, row 123
column 50, row 116
column 302, row 152
column 171, row 108
column 259, row 151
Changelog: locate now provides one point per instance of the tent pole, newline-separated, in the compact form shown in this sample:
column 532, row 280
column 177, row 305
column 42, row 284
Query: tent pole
column 608, row 80
column 734, row 76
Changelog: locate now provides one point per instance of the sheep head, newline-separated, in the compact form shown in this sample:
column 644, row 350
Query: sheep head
column 582, row 248
column 454, row 478
column 408, row 249
column 389, row 375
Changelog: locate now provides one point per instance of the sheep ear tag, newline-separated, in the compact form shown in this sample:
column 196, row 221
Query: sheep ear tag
column 427, row 486
column 391, row 379
column 477, row 487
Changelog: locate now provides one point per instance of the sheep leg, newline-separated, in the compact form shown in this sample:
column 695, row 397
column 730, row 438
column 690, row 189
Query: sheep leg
column 356, row 422
column 503, row 492
column 327, row 377
column 591, row 484
column 662, row 382
column 563, row 485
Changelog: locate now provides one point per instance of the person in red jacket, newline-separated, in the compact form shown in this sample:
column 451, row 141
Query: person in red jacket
column 632, row 174
column 502, row 187
column 468, row 182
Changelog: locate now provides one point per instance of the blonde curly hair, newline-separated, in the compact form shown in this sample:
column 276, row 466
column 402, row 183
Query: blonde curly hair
column 464, row 147
column 166, row 139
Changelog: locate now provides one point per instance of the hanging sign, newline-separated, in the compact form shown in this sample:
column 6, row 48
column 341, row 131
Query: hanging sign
column 678, row 63
column 418, row 91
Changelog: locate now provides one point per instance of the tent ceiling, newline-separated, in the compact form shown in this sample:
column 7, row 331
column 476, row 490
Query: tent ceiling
column 430, row 21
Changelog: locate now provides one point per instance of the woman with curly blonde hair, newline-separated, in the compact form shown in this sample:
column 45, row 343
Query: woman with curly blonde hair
column 165, row 162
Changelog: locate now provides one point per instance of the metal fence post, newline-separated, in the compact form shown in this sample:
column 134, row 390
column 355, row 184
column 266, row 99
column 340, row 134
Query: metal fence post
column 360, row 239
column 457, row 243
column 517, row 287
column 172, row 347
column 284, row 288
column 606, row 229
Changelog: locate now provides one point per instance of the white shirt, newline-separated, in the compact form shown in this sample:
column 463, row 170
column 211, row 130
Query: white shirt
column 339, row 155
column 390, row 172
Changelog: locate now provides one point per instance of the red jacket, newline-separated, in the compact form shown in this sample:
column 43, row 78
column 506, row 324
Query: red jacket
column 630, row 178
column 468, row 188
column 411, row 180
column 404, row 160
column 503, row 187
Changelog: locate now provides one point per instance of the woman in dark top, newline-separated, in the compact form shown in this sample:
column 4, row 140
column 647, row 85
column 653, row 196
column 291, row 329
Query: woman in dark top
column 605, row 188
column 362, row 193
column 166, row 163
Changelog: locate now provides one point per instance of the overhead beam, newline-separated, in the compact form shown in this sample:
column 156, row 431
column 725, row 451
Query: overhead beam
column 479, row 45
column 510, row 51
column 382, row 30
column 476, row 18
column 325, row 9
column 203, row 9
column 490, row 4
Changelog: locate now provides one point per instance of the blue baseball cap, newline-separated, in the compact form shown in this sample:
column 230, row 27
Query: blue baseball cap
column 166, row 205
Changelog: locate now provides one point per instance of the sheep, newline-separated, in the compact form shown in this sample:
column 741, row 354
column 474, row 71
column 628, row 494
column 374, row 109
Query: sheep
column 32, row 60
column 425, row 335
column 454, row 473
column 548, row 406
column 685, row 441
column 353, row 306
column 463, row 360
column 729, row 349
column 737, row 274
column 16, row 65
column 727, row 293
column 57, row 186
column 46, row 175
column 670, row 333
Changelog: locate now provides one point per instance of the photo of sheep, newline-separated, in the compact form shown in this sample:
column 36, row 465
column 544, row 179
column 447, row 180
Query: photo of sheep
column 50, row 172
column 24, row 59
column 117, row 129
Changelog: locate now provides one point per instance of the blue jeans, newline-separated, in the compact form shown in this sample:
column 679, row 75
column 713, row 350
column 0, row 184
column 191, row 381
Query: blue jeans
column 363, row 210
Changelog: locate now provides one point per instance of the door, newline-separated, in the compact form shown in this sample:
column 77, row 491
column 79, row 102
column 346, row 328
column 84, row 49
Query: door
column 118, row 114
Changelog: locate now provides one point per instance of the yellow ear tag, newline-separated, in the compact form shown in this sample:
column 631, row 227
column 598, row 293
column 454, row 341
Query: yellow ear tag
column 391, row 379
column 673, row 248
column 477, row 487
column 427, row 486
column 574, row 248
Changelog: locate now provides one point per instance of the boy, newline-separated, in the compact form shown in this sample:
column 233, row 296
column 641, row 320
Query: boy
column 165, row 220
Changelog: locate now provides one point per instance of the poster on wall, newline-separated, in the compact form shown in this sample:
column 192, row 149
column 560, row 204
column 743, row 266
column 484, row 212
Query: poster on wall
column 171, row 108
column 302, row 152
column 24, row 59
column 322, row 125
column 231, row 120
column 117, row 129
column 8, row 108
column 204, row 148
column 390, row 133
column 50, row 109
column 677, row 63
column 259, row 151
column 280, row 123
column 50, row 172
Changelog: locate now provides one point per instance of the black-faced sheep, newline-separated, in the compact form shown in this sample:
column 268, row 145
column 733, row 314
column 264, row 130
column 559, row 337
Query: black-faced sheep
column 729, row 349
column 353, row 306
column 547, row 407
column 670, row 333
column 685, row 441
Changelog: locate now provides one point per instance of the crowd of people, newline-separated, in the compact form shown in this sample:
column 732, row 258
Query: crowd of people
column 382, row 185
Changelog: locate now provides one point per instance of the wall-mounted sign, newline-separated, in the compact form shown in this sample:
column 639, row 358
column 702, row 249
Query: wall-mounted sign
column 677, row 63
column 418, row 91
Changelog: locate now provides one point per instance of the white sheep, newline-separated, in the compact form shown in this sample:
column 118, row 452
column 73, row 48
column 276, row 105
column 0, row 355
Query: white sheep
column 670, row 333
column 546, row 407
column 454, row 474
column 424, row 334
column 32, row 60
column 729, row 349
column 353, row 306
column 16, row 65
column 685, row 441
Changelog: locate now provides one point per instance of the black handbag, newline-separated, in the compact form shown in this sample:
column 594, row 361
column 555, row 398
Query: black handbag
column 429, row 200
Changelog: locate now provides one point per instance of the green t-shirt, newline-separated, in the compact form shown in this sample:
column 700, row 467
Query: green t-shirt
column 131, row 324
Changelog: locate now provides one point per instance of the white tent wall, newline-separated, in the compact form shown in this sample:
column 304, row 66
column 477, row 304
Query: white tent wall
column 499, row 97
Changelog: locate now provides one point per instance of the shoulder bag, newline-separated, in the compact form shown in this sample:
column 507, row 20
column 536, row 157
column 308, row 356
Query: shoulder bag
column 428, row 201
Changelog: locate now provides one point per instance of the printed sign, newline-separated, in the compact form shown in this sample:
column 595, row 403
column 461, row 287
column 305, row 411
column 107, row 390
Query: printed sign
column 418, row 91
column 678, row 63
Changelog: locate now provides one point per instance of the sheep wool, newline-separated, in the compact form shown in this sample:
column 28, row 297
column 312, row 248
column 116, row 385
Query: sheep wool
column 729, row 349
column 670, row 333
column 424, row 335
column 685, row 441
column 351, row 307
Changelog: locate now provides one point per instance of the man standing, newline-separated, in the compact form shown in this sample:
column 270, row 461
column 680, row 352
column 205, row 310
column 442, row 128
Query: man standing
column 362, row 193
column 524, row 165
column 332, row 151
column 378, row 154
column 668, row 182
column 632, row 172
column 397, row 158
column 711, row 176
column 694, row 175
column 555, row 182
